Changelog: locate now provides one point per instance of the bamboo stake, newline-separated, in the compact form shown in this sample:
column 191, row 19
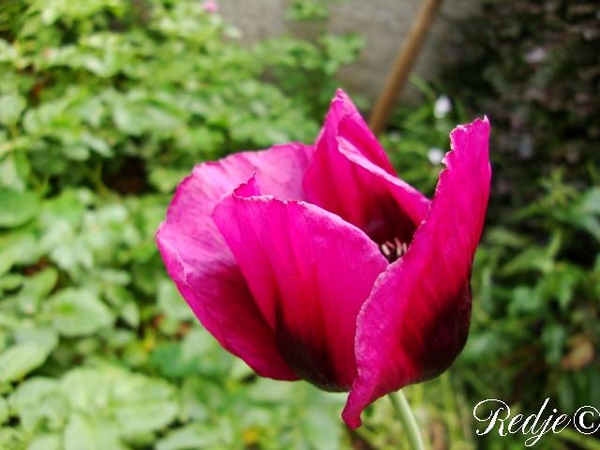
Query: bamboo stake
column 403, row 65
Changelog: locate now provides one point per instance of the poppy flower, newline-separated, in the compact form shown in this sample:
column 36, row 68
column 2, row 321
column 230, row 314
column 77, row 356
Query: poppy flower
column 317, row 262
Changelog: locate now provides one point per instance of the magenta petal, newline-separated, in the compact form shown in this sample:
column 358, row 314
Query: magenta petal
column 352, row 177
column 309, row 272
column 416, row 320
column 203, row 268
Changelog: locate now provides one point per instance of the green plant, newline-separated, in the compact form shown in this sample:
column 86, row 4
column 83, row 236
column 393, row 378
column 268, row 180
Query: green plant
column 533, row 68
column 89, row 91
column 104, row 106
column 304, row 68
column 547, row 299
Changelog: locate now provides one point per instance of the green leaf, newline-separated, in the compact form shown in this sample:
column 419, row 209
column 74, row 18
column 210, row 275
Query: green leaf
column 35, row 290
column 43, row 337
column 189, row 437
column 165, row 178
column 21, row 359
column 17, row 208
column 587, row 214
column 11, row 107
column 39, row 402
column 554, row 338
column 15, row 167
column 322, row 428
column 97, row 144
column 3, row 410
column 269, row 391
column 88, row 390
column 504, row 237
column 530, row 259
column 143, row 404
column 11, row 439
column 196, row 399
column 46, row 441
column 76, row 152
column 69, row 206
column 78, row 312
column 525, row 300
column 137, row 404
column 11, row 282
column 123, row 302
column 17, row 248
column 171, row 303
column 128, row 119
column 169, row 360
column 90, row 433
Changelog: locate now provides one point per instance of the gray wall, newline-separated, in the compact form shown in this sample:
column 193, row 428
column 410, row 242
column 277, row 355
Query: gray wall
column 383, row 23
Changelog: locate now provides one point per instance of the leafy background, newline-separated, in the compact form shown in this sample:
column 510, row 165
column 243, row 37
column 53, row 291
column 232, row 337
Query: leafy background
column 106, row 104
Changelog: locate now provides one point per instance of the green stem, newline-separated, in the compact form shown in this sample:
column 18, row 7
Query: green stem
column 408, row 419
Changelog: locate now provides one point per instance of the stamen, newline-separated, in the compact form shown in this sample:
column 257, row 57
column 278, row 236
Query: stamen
column 393, row 251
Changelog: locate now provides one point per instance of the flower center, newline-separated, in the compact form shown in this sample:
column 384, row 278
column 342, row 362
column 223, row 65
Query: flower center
column 393, row 251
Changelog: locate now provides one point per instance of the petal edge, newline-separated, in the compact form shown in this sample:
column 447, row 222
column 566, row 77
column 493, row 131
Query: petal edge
column 420, row 307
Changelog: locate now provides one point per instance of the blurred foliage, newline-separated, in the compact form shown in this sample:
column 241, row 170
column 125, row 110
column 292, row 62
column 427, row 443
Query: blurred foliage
column 533, row 67
column 536, row 328
column 309, row 10
column 139, row 90
column 305, row 68
column 104, row 106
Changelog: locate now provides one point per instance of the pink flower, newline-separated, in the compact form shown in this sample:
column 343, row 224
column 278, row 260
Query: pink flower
column 210, row 6
column 318, row 262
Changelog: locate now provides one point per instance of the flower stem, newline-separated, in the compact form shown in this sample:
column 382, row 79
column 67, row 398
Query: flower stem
column 407, row 418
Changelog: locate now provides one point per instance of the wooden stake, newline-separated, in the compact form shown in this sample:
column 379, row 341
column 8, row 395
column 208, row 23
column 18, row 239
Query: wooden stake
column 403, row 65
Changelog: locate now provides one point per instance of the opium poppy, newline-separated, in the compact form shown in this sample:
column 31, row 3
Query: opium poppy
column 317, row 262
